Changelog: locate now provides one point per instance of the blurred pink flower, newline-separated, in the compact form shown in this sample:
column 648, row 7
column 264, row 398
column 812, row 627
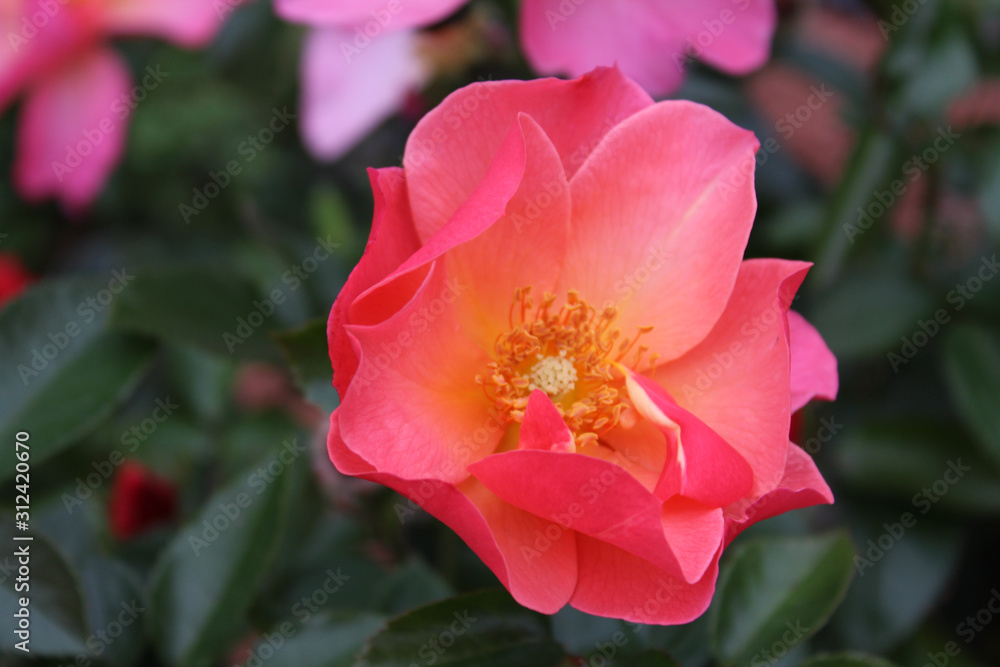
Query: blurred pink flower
column 78, row 93
column 650, row 40
column 360, row 62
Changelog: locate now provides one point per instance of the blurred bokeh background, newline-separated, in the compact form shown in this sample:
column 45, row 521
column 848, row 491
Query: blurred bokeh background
column 198, row 371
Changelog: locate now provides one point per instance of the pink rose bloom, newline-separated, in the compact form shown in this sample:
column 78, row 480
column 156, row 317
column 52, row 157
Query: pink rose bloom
column 77, row 91
column 359, row 62
column 649, row 40
column 553, row 344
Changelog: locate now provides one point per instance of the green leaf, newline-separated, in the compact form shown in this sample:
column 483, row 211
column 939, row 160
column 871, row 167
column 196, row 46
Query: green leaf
column 57, row 620
column 410, row 585
column 66, row 373
column 206, row 579
column 900, row 458
column 650, row 658
column 846, row 660
column 883, row 607
column 872, row 166
column 869, row 312
column 326, row 643
column 972, row 372
column 306, row 350
column 777, row 592
column 486, row 629
column 205, row 306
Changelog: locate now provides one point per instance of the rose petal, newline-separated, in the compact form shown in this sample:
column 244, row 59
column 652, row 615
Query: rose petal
column 505, row 221
column 737, row 379
column 733, row 36
column 618, row 584
column 415, row 384
column 599, row 498
column 543, row 427
column 626, row 33
column 661, row 215
column 708, row 469
column 347, row 92
column 454, row 145
column 70, row 137
column 814, row 368
column 391, row 241
column 190, row 23
column 371, row 17
column 801, row 486
column 534, row 558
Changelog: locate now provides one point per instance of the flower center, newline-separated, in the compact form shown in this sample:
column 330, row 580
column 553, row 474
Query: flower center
column 575, row 355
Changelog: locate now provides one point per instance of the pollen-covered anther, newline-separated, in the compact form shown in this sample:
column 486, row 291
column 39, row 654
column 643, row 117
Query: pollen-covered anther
column 575, row 355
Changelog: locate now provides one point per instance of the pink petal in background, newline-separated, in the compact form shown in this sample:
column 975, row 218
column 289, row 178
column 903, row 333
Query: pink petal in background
column 371, row 15
column 189, row 23
column 72, row 133
column 348, row 91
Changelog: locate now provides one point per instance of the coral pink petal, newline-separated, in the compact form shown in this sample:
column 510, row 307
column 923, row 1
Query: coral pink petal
column 814, row 368
column 496, row 243
column 391, row 241
column 733, row 36
column 454, row 145
column 348, row 92
column 661, row 215
column 800, row 486
column 70, row 139
column 533, row 557
column 189, row 23
column 599, row 498
column 737, row 379
column 619, row 584
column 372, row 18
column 543, row 427
column 524, row 247
column 623, row 33
column 413, row 408
column 710, row 470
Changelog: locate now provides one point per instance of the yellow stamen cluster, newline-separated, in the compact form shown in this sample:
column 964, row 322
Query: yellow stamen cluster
column 573, row 354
